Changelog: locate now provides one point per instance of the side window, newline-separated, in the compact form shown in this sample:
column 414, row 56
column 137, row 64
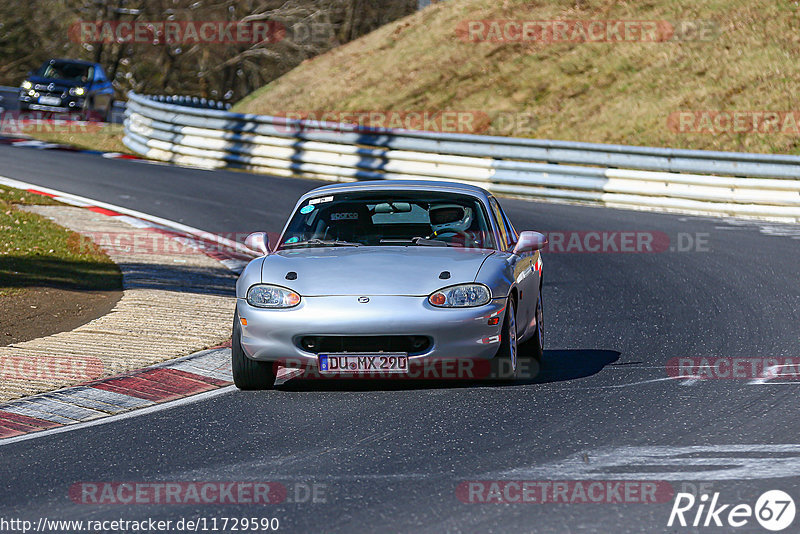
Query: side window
column 498, row 215
column 513, row 236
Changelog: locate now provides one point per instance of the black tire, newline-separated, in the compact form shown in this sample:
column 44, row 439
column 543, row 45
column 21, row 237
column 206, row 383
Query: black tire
column 248, row 375
column 508, row 354
column 534, row 347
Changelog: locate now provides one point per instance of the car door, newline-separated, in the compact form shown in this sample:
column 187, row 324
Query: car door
column 525, row 275
column 102, row 92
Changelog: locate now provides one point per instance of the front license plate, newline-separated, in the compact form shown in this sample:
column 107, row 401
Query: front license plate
column 362, row 364
column 50, row 100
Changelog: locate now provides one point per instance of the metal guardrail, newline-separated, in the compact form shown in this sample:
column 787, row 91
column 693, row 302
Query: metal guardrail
column 694, row 181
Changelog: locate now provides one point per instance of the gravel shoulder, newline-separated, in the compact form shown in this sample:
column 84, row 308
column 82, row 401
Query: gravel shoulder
column 41, row 311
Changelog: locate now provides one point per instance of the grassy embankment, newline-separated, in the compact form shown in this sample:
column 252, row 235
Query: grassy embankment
column 37, row 253
column 747, row 60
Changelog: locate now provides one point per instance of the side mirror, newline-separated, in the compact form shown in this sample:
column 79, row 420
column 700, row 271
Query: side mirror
column 258, row 241
column 530, row 241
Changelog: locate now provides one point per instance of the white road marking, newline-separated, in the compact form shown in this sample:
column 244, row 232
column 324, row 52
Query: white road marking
column 34, row 143
column 639, row 382
column 72, row 202
column 113, row 418
column 691, row 380
column 770, row 373
column 702, row 462
column 132, row 221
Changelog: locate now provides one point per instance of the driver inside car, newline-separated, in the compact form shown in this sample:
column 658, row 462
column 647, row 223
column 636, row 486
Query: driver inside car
column 453, row 223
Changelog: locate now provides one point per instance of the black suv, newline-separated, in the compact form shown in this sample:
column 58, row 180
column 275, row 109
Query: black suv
column 71, row 86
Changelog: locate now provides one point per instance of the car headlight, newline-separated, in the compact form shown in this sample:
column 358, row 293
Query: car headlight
column 461, row 296
column 266, row 296
column 27, row 84
column 77, row 91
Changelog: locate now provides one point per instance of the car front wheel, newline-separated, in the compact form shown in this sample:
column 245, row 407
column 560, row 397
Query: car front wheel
column 534, row 347
column 508, row 355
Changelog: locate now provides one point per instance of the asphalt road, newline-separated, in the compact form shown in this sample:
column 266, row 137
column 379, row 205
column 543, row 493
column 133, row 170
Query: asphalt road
column 391, row 456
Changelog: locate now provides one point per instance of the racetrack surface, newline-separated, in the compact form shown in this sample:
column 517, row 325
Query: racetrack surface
column 391, row 455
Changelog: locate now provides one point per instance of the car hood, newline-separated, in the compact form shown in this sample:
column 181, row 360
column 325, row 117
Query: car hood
column 408, row 271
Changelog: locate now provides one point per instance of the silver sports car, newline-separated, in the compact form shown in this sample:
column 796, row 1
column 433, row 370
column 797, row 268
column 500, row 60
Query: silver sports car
column 384, row 278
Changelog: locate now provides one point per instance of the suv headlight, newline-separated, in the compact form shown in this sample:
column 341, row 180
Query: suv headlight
column 266, row 296
column 77, row 91
column 461, row 296
column 27, row 84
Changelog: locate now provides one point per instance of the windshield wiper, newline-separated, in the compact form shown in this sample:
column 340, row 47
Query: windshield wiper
column 422, row 241
column 322, row 243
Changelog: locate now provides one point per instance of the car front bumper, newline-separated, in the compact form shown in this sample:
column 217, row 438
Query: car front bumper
column 456, row 333
column 68, row 104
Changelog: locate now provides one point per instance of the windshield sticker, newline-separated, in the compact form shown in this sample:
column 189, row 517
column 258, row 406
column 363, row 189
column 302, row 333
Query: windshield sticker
column 344, row 216
column 306, row 209
column 320, row 200
column 292, row 240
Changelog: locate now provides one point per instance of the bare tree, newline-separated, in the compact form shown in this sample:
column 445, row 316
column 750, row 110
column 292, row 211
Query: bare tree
column 32, row 32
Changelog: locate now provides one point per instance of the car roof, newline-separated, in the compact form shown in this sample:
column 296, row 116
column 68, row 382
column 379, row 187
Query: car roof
column 402, row 185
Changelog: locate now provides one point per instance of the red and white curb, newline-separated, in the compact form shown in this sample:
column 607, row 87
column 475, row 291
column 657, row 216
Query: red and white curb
column 202, row 372
column 171, row 383
column 230, row 253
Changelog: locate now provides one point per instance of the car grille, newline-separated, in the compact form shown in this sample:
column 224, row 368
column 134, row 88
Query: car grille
column 44, row 91
column 327, row 344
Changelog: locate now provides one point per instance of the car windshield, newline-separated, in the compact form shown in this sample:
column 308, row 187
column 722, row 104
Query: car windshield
column 59, row 70
column 390, row 218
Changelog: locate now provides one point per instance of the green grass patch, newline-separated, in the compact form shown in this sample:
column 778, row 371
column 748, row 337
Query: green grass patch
column 105, row 138
column 36, row 252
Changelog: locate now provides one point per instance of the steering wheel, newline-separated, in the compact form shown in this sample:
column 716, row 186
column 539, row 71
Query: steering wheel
column 465, row 235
